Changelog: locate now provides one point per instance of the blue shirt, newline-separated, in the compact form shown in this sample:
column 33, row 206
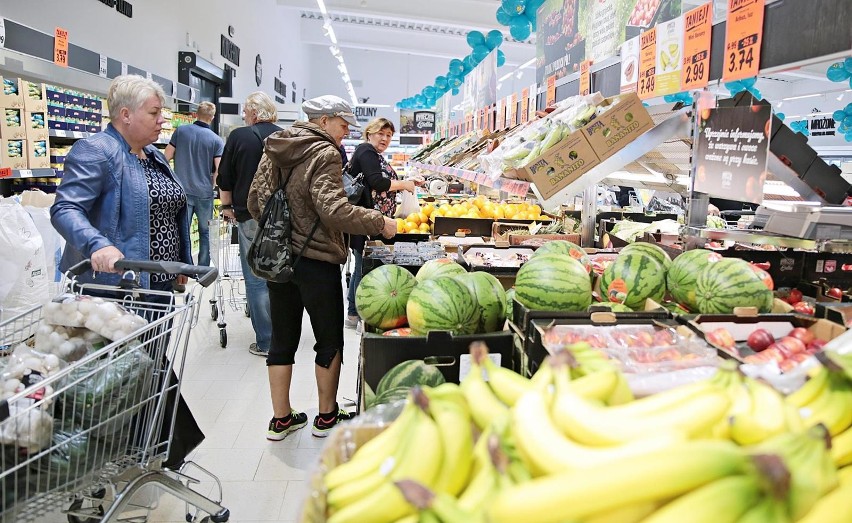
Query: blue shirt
column 196, row 146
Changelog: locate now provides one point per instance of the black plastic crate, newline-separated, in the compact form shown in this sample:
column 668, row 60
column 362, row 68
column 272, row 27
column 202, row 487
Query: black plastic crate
column 446, row 226
column 785, row 267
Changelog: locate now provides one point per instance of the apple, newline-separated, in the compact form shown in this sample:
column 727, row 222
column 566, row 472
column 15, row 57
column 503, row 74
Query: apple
column 803, row 334
column 793, row 345
column 804, row 307
column 835, row 292
column 794, row 297
column 721, row 338
column 760, row 340
column 816, row 346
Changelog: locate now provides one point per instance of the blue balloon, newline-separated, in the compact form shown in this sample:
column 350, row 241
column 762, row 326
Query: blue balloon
column 503, row 18
column 839, row 115
column 455, row 91
column 475, row 38
column 456, row 66
column 419, row 99
column 847, row 64
column 520, row 28
column 469, row 64
column 514, row 7
column 494, row 39
column 501, row 58
column 848, row 121
column 480, row 52
column 848, row 108
column 843, row 129
column 441, row 82
column 428, row 91
column 756, row 94
column 532, row 17
column 533, row 5
column 837, row 72
column 669, row 98
column 749, row 82
column 781, row 116
column 455, row 82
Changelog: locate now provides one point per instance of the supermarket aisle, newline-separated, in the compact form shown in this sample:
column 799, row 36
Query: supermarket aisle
column 228, row 391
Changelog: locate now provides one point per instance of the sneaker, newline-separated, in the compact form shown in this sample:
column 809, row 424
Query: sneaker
column 351, row 322
column 323, row 423
column 257, row 351
column 280, row 427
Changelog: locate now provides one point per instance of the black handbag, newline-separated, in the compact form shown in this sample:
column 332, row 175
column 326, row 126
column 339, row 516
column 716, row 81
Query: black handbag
column 355, row 188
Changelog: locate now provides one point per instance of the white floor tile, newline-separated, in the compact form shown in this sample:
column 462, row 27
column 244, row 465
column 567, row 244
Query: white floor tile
column 279, row 463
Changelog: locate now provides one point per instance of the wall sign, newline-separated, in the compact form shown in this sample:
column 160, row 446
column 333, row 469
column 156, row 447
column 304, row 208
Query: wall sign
column 698, row 27
column 550, row 97
column 60, row 47
column 280, row 88
column 229, row 50
column 102, row 67
column 258, row 70
column 525, row 104
column 122, row 6
column 365, row 114
column 743, row 35
column 2, row 33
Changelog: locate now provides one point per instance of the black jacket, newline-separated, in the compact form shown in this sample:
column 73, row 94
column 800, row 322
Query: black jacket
column 239, row 162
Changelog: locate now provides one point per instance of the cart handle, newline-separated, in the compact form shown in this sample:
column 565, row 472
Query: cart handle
column 204, row 275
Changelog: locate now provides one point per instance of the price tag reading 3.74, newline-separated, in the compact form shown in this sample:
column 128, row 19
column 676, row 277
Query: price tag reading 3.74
column 743, row 37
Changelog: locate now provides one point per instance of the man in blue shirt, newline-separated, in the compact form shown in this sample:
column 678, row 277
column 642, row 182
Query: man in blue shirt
column 196, row 150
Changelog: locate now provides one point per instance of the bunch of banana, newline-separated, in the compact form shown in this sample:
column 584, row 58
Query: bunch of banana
column 836, row 506
column 826, row 398
column 430, row 442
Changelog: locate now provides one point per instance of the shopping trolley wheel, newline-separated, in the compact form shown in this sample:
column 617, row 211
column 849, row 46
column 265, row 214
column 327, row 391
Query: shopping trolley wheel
column 221, row 518
column 247, row 311
column 223, row 338
column 214, row 312
column 77, row 504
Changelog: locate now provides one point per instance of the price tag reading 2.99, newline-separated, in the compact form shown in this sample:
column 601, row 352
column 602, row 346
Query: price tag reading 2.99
column 742, row 39
column 647, row 63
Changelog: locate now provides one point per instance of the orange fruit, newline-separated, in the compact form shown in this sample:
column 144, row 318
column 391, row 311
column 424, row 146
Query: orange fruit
column 413, row 218
column 424, row 227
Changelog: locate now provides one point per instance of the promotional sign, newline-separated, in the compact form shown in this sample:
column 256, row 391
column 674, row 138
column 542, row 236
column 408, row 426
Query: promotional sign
column 585, row 77
column 743, row 35
column 669, row 57
column 697, row 27
column 647, row 64
column 550, row 97
column 525, row 105
column 630, row 66
column 480, row 86
column 60, row 47
column 416, row 122
column 501, row 114
column 559, row 46
column 730, row 152
column 533, row 102
column 513, row 110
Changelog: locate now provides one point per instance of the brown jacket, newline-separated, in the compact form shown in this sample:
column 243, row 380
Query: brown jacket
column 309, row 156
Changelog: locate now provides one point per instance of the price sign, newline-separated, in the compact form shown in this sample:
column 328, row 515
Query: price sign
column 669, row 57
column 630, row 65
column 102, row 66
column 525, row 104
column 501, row 113
column 743, row 35
column 550, row 98
column 60, row 47
column 697, row 39
column 513, row 110
column 647, row 63
column 585, row 77
column 533, row 102
column 5, row 172
column 124, row 69
column 2, row 33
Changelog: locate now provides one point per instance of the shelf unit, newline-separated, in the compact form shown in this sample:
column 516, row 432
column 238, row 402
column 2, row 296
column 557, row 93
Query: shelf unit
column 30, row 173
column 514, row 187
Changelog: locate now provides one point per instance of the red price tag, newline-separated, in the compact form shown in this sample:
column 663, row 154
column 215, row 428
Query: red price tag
column 647, row 63
column 698, row 26
column 60, row 47
column 5, row 172
column 550, row 98
column 586, row 77
column 513, row 110
column 743, row 35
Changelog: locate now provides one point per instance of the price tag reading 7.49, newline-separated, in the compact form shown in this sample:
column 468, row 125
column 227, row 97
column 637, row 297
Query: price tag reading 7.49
column 743, row 37
column 648, row 64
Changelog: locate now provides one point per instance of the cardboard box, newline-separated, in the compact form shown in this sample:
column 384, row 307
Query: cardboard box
column 13, row 153
column 55, row 110
column 840, row 313
column 59, row 125
column 561, row 165
column 11, row 94
column 12, row 123
column 35, row 124
column 38, row 154
column 612, row 131
column 35, row 97
column 93, row 103
column 55, row 96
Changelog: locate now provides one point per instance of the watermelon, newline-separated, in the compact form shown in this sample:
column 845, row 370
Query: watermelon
column 382, row 295
column 731, row 283
column 442, row 304
column 554, row 282
column 440, row 267
column 369, row 395
column 510, row 303
column 615, row 307
column 632, row 278
column 650, row 249
column 764, row 276
column 683, row 272
column 565, row 248
column 491, row 298
column 390, row 396
column 408, row 374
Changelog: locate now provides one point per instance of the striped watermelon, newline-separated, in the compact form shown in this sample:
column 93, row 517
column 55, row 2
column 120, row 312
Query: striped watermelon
column 554, row 282
column 369, row 395
column 390, row 396
column 565, row 248
column 764, row 276
column 632, row 278
column 440, row 267
column 442, row 304
column 510, row 303
column 491, row 298
column 681, row 276
column 650, row 249
column 731, row 283
column 408, row 374
column 382, row 295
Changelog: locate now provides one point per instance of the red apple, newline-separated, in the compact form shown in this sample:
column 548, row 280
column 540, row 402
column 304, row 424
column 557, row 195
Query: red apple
column 721, row 338
column 835, row 292
column 794, row 297
column 760, row 340
column 816, row 346
column 793, row 345
column 803, row 334
column 804, row 307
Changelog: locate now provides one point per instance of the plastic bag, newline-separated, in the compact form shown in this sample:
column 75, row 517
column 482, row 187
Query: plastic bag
column 68, row 343
column 107, row 318
column 23, row 266
column 408, row 204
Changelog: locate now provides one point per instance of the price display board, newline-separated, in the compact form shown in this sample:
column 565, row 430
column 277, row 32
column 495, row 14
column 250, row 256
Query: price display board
column 585, row 77
column 550, row 97
column 697, row 39
column 647, row 63
column 744, row 33
column 630, row 65
column 60, row 47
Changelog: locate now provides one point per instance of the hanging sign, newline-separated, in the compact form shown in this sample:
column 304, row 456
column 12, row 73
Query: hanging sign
column 585, row 77
column 2, row 32
column 697, row 27
column 513, row 110
column 731, row 151
column 5, row 172
column 647, row 63
column 533, row 102
column 501, row 113
column 525, row 104
column 630, row 65
column 743, row 35
column 102, row 66
column 669, row 57
column 550, row 97
column 60, row 47
column 124, row 71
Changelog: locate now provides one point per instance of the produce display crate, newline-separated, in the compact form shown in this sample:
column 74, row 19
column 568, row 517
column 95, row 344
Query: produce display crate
column 445, row 226
column 840, row 313
column 449, row 353
column 467, row 258
column 785, row 267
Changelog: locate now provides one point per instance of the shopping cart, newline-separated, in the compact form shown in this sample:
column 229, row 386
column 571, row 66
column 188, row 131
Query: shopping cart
column 85, row 437
column 225, row 255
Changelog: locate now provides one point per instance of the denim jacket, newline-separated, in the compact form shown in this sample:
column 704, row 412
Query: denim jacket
column 103, row 201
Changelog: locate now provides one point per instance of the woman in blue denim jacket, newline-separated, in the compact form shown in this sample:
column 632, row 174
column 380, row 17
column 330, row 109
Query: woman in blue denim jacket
column 118, row 197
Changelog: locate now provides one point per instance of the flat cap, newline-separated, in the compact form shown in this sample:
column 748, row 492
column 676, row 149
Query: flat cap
column 332, row 106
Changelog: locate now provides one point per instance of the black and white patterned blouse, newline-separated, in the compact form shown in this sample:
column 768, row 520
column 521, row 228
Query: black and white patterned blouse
column 165, row 199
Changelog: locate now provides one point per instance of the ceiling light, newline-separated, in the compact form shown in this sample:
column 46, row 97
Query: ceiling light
column 519, row 74
column 840, row 96
column 801, row 97
column 779, row 104
column 322, row 8
column 335, row 51
column 499, row 85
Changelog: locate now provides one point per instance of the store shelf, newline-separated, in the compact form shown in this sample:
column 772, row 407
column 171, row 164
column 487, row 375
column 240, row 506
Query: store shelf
column 516, row 187
column 755, row 237
column 30, row 173
column 76, row 135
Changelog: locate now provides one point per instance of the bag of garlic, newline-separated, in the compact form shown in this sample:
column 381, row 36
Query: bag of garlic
column 107, row 318
column 68, row 343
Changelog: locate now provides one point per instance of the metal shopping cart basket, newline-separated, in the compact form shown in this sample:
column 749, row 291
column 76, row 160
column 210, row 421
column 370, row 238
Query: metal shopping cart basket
column 85, row 436
column 225, row 255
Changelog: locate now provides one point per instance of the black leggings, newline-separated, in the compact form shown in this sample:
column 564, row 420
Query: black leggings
column 316, row 287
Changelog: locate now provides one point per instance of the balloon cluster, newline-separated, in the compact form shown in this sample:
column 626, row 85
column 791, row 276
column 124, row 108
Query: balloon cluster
column 685, row 97
column 844, row 119
column 800, row 127
column 840, row 71
column 746, row 84
column 780, row 116
column 481, row 46
column 519, row 16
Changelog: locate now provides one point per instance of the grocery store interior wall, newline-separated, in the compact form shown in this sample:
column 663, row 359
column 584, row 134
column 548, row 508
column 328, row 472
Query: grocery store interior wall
column 160, row 29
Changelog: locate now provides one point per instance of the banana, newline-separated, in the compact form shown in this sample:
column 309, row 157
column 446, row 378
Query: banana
column 590, row 424
column 444, row 507
column 626, row 514
column 841, row 448
column 598, row 386
column 457, row 441
column 384, row 504
column 834, row 507
column 813, row 388
column 447, row 392
column 480, row 489
column 663, row 401
column 506, row 384
column 621, row 393
column 844, row 475
column 767, row 510
column 545, row 450
column 832, row 408
column 766, row 418
column 484, row 405
column 722, row 501
column 351, row 491
column 652, row 476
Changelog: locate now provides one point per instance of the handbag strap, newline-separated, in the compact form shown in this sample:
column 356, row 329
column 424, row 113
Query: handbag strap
column 307, row 241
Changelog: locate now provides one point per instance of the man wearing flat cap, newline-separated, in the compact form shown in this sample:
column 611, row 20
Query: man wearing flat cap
column 305, row 160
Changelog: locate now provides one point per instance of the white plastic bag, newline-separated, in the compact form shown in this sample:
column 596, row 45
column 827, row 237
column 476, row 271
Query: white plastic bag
column 23, row 266
column 408, row 205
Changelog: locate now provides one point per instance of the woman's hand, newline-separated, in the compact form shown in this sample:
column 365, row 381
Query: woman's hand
column 408, row 185
column 229, row 216
column 103, row 259
column 389, row 230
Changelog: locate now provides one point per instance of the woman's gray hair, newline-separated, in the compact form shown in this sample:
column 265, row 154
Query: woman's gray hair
column 131, row 91
column 263, row 106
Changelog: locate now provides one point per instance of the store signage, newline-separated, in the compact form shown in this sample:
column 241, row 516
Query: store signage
column 525, row 104
column 647, row 64
column 280, row 87
column 550, row 97
column 697, row 27
column 585, row 77
column 630, row 65
column 60, row 47
column 5, row 172
column 229, row 50
column 365, row 114
column 410, row 122
column 669, row 57
column 501, row 114
column 2, row 33
column 513, row 110
column 533, row 102
column 743, row 36
column 102, row 68
column 122, row 6
column 258, row 70
column 559, row 45
column 822, row 126
column 731, row 151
